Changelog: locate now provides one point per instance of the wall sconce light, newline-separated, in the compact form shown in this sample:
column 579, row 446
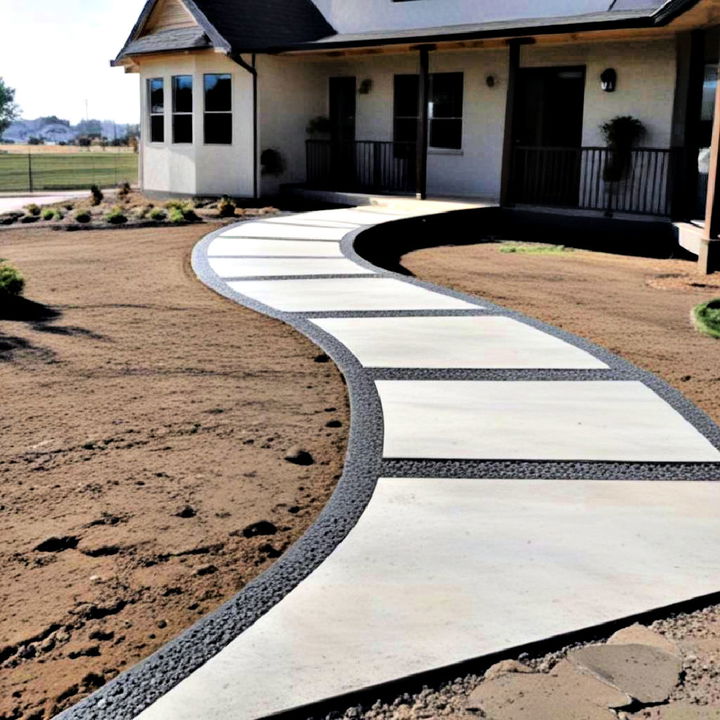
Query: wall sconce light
column 608, row 80
column 491, row 81
column 365, row 86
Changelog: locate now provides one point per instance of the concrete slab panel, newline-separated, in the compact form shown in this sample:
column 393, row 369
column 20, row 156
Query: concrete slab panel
column 244, row 247
column 346, row 294
column 441, row 571
column 454, row 342
column 285, row 231
column 356, row 215
column 531, row 420
column 267, row 267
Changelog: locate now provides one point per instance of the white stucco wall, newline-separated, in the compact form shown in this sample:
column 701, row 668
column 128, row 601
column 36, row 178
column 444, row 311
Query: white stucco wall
column 197, row 168
column 351, row 16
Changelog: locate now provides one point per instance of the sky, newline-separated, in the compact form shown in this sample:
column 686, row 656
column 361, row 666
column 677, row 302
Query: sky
column 56, row 54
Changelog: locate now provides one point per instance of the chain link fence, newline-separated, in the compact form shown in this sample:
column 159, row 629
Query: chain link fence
column 77, row 171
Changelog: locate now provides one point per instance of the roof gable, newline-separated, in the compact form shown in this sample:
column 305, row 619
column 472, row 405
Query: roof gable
column 168, row 15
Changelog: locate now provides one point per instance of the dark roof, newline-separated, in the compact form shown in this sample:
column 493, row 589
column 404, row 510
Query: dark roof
column 180, row 39
column 238, row 26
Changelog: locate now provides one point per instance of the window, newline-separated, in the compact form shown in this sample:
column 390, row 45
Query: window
column 182, row 86
column 156, row 107
column 445, row 109
column 218, row 109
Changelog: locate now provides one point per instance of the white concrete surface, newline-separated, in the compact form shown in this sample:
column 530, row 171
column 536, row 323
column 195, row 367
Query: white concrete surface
column 18, row 202
column 259, row 267
column 454, row 342
column 441, row 571
column 243, row 247
column 341, row 294
column 285, row 231
column 533, row 420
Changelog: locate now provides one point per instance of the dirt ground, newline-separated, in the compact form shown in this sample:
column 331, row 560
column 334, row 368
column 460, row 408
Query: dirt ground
column 636, row 307
column 142, row 432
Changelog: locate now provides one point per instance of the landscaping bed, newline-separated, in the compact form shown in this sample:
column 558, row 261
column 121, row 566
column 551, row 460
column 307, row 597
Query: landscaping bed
column 142, row 454
column 124, row 207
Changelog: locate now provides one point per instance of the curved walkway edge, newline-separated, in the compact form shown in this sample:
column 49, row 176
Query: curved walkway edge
column 505, row 483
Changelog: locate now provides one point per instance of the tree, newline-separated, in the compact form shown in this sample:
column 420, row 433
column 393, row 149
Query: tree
column 8, row 109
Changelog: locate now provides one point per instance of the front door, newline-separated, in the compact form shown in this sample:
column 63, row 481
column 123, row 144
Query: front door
column 343, row 94
column 547, row 135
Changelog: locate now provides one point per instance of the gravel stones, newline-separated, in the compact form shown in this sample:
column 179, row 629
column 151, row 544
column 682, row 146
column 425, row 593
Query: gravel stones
column 646, row 673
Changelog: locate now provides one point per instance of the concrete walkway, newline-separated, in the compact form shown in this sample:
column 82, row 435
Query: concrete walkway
column 498, row 489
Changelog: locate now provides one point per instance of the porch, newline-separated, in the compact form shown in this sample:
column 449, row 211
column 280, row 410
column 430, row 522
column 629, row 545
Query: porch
column 573, row 178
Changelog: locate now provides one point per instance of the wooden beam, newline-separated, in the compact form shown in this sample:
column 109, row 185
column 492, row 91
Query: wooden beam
column 712, row 208
column 423, row 124
column 507, row 162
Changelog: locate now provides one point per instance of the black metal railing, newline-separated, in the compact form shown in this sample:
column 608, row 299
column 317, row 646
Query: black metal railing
column 361, row 166
column 642, row 181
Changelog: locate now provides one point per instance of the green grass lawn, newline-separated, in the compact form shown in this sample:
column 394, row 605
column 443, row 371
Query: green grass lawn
column 707, row 318
column 67, row 171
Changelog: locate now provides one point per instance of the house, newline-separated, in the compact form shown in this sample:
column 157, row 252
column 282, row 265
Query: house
column 500, row 100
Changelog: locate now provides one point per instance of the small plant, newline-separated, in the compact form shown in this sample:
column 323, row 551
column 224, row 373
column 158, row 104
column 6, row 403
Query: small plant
column 158, row 214
column 176, row 216
column 83, row 216
column 27, row 219
column 706, row 318
column 33, row 209
column 68, row 206
column 124, row 189
column 96, row 195
column 272, row 162
column 621, row 134
column 226, row 207
column 533, row 248
column 116, row 216
column 48, row 214
column 11, row 281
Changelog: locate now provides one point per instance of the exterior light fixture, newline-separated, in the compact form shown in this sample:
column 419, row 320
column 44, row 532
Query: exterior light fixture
column 608, row 80
column 365, row 86
column 491, row 81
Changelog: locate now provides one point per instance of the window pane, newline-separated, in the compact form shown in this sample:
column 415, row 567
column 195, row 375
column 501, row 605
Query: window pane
column 446, row 134
column 182, row 128
column 157, row 128
column 218, row 128
column 182, row 93
column 218, row 93
column 406, row 95
column 446, row 94
column 157, row 95
column 406, row 130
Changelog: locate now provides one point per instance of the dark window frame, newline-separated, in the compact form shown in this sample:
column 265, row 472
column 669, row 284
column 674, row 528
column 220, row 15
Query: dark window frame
column 214, row 117
column 435, row 120
column 180, row 117
column 155, row 115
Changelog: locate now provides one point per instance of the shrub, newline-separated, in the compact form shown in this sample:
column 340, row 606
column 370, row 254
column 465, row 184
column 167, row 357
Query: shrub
column 706, row 318
column 124, row 189
column 68, row 206
column 27, row 219
column 116, row 216
column 226, row 207
column 48, row 214
column 33, row 209
column 189, row 214
column 83, row 216
column 11, row 281
column 272, row 162
column 8, row 219
column 176, row 216
column 97, row 195
column 158, row 214
column 58, row 215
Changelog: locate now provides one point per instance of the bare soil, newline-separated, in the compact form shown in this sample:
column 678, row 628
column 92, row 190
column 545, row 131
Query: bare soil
column 142, row 430
column 638, row 308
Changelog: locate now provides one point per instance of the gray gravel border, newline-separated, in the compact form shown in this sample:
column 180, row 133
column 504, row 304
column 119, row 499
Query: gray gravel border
column 133, row 691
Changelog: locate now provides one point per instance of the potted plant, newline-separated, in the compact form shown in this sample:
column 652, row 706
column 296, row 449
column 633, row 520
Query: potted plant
column 621, row 135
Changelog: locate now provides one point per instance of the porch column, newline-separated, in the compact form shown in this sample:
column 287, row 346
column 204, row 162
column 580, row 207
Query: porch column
column 710, row 251
column 507, row 162
column 423, row 123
